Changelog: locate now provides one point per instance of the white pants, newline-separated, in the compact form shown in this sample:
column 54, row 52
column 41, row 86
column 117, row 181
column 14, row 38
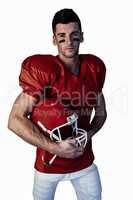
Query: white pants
column 86, row 183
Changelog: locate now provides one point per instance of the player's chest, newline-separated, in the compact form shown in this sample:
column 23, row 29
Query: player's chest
column 70, row 83
column 80, row 90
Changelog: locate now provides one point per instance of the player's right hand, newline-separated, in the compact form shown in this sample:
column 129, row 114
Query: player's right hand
column 68, row 149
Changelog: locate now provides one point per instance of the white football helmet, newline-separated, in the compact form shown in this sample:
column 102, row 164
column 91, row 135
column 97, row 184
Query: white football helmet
column 58, row 122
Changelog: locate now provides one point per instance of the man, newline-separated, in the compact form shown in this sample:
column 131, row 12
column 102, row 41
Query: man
column 74, row 80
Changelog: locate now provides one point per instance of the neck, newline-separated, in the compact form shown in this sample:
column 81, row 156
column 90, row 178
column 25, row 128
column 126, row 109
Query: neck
column 70, row 63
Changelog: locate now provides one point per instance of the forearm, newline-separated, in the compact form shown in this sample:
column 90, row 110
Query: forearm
column 25, row 129
column 96, row 124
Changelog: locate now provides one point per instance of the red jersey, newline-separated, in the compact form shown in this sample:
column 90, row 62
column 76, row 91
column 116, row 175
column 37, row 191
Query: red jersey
column 45, row 75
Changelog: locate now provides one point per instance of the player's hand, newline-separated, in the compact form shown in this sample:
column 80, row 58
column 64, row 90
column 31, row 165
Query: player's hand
column 68, row 149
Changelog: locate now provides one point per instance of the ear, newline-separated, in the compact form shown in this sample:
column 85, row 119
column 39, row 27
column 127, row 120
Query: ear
column 82, row 37
column 54, row 40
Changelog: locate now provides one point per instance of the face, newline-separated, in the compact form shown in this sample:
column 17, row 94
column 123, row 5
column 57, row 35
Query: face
column 68, row 37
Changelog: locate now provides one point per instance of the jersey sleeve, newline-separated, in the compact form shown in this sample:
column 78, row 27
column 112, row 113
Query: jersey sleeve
column 31, row 79
column 98, row 70
column 100, row 73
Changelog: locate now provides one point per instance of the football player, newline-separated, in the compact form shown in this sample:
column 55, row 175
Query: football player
column 54, row 111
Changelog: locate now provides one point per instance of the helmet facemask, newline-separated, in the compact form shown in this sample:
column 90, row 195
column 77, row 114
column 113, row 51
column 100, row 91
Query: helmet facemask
column 67, row 130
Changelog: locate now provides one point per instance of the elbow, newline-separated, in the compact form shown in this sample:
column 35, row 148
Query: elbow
column 11, row 122
column 105, row 115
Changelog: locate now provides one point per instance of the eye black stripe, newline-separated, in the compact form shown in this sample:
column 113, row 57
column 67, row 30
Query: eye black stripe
column 61, row 41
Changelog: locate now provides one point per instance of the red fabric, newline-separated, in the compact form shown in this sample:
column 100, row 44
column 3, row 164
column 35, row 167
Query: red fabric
column 79, row 91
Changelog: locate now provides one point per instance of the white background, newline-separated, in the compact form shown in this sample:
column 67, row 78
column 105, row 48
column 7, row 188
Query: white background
column 25, row 29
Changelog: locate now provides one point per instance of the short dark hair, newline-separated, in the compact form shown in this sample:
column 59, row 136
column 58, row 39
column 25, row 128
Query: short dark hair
column 65, row 16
